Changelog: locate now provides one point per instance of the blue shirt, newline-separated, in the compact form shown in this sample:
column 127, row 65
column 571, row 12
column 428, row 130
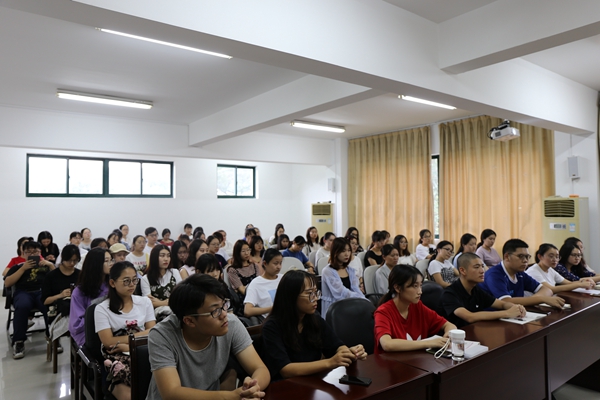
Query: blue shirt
column 500, row 285
column 299, row 255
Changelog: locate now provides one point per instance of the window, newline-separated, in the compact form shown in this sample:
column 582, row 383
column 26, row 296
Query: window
column 58, row 176
column 435, row 184
column 234, row 181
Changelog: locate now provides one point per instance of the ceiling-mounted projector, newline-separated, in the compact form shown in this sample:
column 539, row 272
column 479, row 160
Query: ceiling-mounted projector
column 504, row 132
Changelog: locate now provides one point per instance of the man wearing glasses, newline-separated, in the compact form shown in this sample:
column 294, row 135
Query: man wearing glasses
column 151, row 239
column 27, row 279
column 508, row 281
column 190, row 349
column 463, row 302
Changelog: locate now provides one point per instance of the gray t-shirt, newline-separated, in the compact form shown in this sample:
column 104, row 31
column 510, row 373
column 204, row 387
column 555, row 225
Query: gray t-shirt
column 197, row 369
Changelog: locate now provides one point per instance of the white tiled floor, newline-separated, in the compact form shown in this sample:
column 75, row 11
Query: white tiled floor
column 32, row 377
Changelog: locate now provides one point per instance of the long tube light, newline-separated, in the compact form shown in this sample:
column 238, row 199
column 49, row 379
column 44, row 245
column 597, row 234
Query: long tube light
column 318, row 127
column 102, row 99
column 430, row 103
column 179, row 46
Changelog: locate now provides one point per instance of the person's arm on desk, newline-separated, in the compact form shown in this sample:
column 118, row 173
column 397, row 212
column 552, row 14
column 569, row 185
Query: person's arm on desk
column 388, row 344
column 543, row 295
column 509, row 310
column 342, row 358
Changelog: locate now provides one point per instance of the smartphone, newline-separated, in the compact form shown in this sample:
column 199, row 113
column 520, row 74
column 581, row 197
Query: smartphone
column 445, row 354
column 355, row 380
column 431, row 251
column 34, row 258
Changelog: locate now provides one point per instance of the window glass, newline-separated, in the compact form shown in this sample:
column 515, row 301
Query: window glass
column 47, row 175
column 225, row 181
column 86, row 176
column 156, row 179
column 124, row 178
column 245, row 181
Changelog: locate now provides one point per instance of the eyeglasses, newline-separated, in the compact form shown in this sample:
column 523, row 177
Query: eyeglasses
column 216, row 313
column 576, row 255
column 451, row 251
column 553, row 257
column 129, row 281
column 313, row 296
column 523, row 257
column 109, row 262
column 153, row 235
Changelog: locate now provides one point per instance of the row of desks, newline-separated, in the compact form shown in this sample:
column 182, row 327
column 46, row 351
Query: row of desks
column 524, row 361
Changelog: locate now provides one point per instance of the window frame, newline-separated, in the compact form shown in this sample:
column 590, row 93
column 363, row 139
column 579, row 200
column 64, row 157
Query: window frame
column 105, row 178
column 236, row 196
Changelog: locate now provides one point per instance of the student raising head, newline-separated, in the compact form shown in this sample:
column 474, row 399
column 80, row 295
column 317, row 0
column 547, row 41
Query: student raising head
column 312, row 241
column 390, row 260
column 195, row 250
column 405, row 258
column 261, row 291
column 440, row 268
column 425, row 247
column 299, row 342
column 160, row 280
column 242, row 271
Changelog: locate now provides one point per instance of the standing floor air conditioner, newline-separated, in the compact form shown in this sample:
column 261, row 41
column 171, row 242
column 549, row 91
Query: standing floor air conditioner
column 322, row 217
column 564, row 218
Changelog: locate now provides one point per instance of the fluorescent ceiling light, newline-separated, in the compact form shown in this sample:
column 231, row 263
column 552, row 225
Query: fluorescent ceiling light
column 318, row 127
column 165, row 43
column 101, row 99
column 431, row 103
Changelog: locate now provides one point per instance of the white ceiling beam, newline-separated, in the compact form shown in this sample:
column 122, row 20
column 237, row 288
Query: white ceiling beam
column 305, row 96
column 507, row 29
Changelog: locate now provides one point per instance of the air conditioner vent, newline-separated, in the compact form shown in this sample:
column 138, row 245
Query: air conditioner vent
column 321, row 209
column 559, row 208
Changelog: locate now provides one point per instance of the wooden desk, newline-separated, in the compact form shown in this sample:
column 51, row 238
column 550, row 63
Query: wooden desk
column 489, row 376
column 390, row 380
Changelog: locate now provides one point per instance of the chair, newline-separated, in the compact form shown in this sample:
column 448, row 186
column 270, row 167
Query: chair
column 369, row 279
column 75, row 367
column 140, row 366
column 422, row 266
column 361, row 257
column 374, row 298
column 311, row 257
column 352, row 321
column 322, row 263
column 289, row 263
column 8, row 304
column 432, row 295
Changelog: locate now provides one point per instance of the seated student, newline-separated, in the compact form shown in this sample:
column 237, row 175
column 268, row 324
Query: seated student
column 92, row 288
column 214, row 244
column 137, row 257
column 27, row 278
column 226, row 249
column 405, row 258
column 373, row 256
column 187, row 230
column 179, row 253
column 297, row 341
column 283, row 242
column 261, row 291
column 463, row 302
column 75, row 238
column 485, row 248
column 279, row 230
column 325, row 249
column 547, row 259
column 207, row 264
column 295, row 250
column 123, row 313
column 402, row 321
column 86, row 239
column 468, row 244
column 50, row 250
column 118, row 251
column 195, row 250
column 166, row 238
column 425, row 248
column 151, row 239
column 390, row 260
column 312, row 241
column 355, row 263
column 570, row 266
column 19, row 258
column 160, row 280
column 248, row 233
column 353, row 232
column 440, row 268
column 337, row 280
column 257, row 249
column 112, row 238
column 199, row 233
column 189, row 350
column 242, row 271
column 508, row 281
column 124, row 229
column 185, row 239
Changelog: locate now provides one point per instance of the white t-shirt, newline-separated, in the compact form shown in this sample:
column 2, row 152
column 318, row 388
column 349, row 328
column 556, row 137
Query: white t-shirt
column 163, row 281
column 537, row 273
column 446, row 270
column 190, row 270
column 357, row 266
column 320, row 254
column 148, row 249
column 261, row 292
column 141, row 312
column 407, row 260
column 422, row 251
column 309, row 249
column 139, row 263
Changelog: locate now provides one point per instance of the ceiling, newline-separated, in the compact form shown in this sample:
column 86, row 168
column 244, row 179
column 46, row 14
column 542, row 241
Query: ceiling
column 41, row 54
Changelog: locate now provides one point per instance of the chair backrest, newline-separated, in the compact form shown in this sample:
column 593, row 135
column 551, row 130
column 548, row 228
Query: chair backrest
column 432, row 295
column 369, row 279
column 92, row 340
column 352, row 321
column 361, row 257
column 422, row 266
column 374, row 298
column 322, row 263
column 312, row 256
column 291, row 263
column 140, row 366
column 226, row 276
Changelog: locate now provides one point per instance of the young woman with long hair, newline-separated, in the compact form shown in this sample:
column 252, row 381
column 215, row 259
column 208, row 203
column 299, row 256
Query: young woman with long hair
column 390, row 260
column 485, row 248
column 337, row 280
column 424, row 250
column 195, row 250
column 404, row 255
column 312, row 241
column 325, row 250
column 137, row 257
column 257, row 249
column 298, row 340
column 179, row 253
column 261, row 291
column 468, row 244
column 160, row 280
column 50, row 250
column 440, row 268
column 242, row 270
column 279, row 230
column 214, row 244
column 402, row 322
column 353, row 232
column 123, row 313
column 569, row 265
column 373, row 256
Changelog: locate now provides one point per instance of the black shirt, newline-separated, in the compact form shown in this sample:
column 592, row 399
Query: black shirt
column 371, row 254
column 56, row 282
column 346, row 282
column 277, row 355
column 31, row 280
column 51, row 249
column 455, row 296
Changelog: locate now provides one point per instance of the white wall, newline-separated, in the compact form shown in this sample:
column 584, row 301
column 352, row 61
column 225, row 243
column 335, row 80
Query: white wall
column 586, row 148
column 285, row 192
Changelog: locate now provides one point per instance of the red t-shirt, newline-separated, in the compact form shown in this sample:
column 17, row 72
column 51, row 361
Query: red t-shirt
column 422, row 322
column 15, row 261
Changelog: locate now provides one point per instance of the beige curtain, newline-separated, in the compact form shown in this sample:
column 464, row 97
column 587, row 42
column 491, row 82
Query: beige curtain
column 491, row 184
column 389, row 184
